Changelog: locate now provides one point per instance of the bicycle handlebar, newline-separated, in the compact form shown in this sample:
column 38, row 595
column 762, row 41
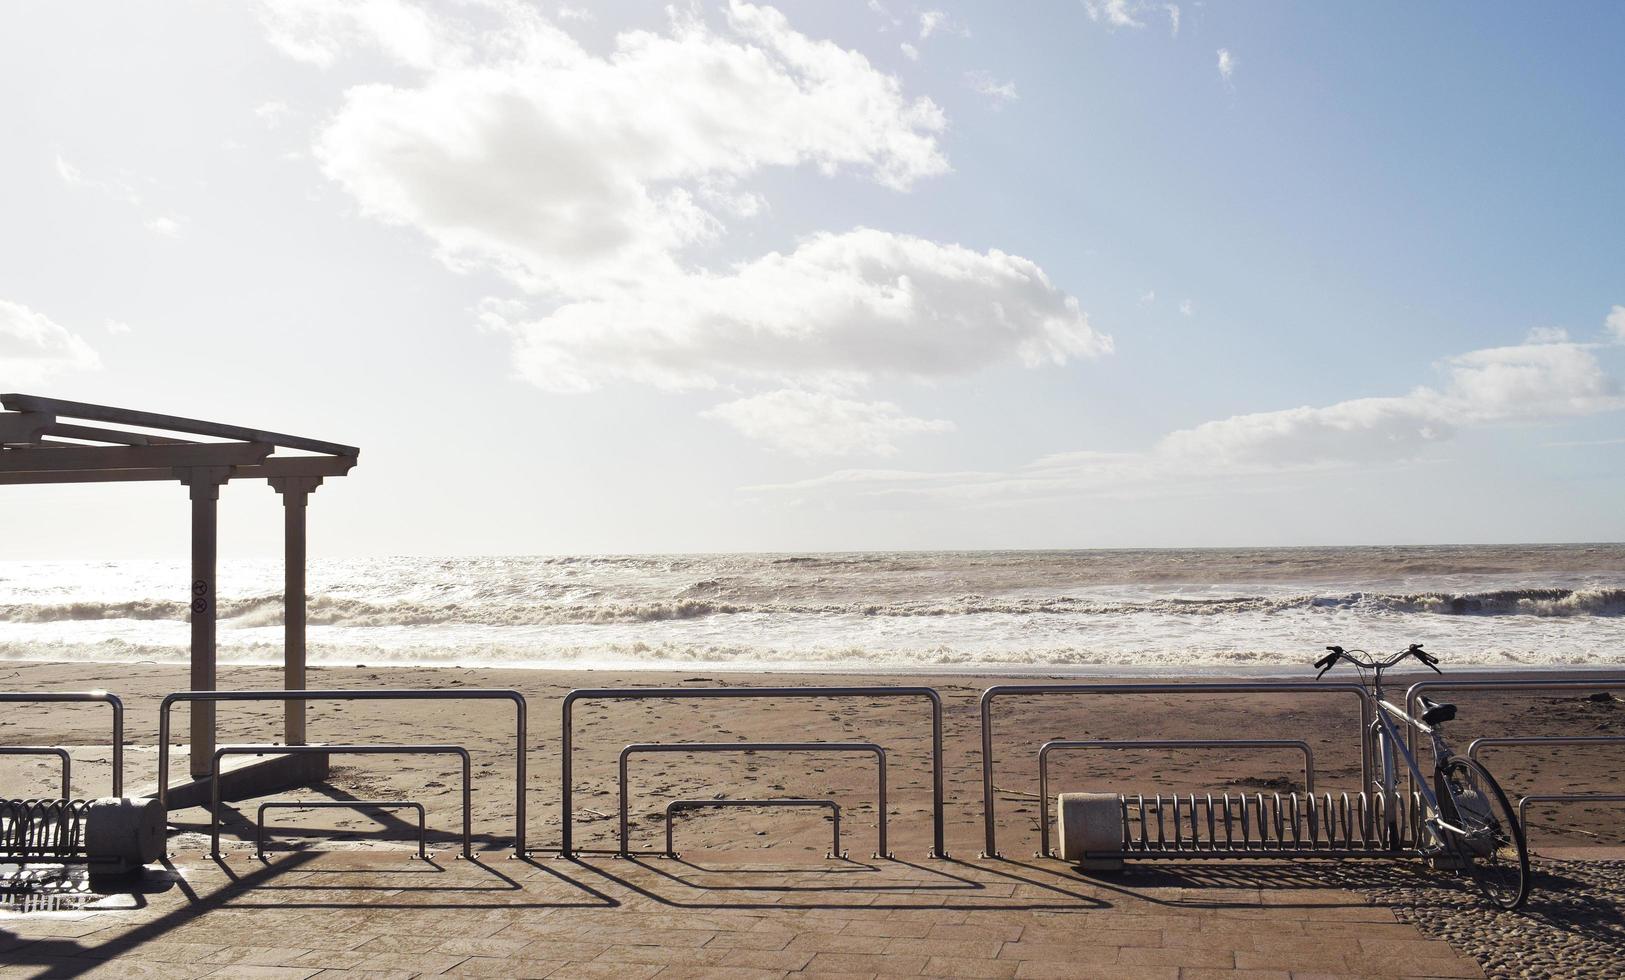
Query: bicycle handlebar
column 1338, row 653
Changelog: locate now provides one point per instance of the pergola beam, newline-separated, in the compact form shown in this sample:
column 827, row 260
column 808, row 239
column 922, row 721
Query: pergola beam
column 91, row 433
column 23, row 426
column 58, row 458
column 173, row 423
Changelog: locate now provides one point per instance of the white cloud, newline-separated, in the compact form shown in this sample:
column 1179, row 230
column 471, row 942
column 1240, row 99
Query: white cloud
column 938, row 22
column 567, row 12
column 34, row 349
column 1547, row 335
column 166, row 226
column 846, row 308
column 1615, row 323
column 118, row 189
column 117, row 327
column 1114, row 13
column 983, row 83
column 910, row 51
column 1227, row 64
column 810, row 423
column 1148, row 297
column 1523, row 384
column 1172, row 10
column 576, row 174
column 1187, row 308
column 319, row 31
column 272, row 113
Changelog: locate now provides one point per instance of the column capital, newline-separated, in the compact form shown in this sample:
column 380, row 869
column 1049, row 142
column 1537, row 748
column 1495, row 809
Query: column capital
column 291, row 486
column 205, row 481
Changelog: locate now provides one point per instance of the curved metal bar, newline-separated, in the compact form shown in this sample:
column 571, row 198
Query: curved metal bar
column 989, row 817
column 373, row 694
column 641, row 748
column 567, row 777
column 677, row 806
column 76, row 697
column 1479, row 744
column 1071, row 745
column 225, row 750
column 259, row 822
column 1523, row 804
column 1414, row 693
column 58, row 751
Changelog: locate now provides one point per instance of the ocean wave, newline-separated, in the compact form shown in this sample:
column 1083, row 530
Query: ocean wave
column 266, row 610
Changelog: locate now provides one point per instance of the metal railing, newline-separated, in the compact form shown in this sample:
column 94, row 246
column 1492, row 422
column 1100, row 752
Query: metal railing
column 58, row 751
column 259, row 820
column 989, row 816
column 567, row 787
column 1074, row 745
column 1523, row 804
column 225, row 750
column 1479, row 744
column 1414, row 693
column 379, row 694
column 79, row 697
column 677, row 806
column 733, row 747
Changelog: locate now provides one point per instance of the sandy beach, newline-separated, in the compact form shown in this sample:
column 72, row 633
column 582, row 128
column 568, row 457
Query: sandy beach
column 1327, row 722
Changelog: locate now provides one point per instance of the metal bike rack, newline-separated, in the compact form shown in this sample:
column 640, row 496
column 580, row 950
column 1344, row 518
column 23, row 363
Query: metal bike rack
column 1259, row 826
column 379, row 694
column 225, row 750
column 1072, row 745
column 1414, row 693
column 733, row 747
column 259, row 821
column 989, row 816
column 677, row 806
column 1523, row 804
column 1478, row 744
column 80, row 697
column 58, row 751
column 566, row 806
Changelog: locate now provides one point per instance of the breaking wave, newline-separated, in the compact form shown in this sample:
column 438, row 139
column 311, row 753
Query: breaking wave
column 333, row 611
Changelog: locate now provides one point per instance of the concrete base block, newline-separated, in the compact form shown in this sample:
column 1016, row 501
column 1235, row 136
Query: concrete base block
column 1091, row 830
column 246, row 777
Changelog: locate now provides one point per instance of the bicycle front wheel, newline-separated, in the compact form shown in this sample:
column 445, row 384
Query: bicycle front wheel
column 1492, row 851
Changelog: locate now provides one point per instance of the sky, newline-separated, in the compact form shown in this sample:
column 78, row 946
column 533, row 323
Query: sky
column 631, row 277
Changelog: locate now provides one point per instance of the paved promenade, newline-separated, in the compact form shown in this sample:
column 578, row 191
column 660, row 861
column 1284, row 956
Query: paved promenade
column 378, row 913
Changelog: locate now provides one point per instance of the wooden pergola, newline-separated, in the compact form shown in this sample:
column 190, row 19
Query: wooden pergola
column 46, row 440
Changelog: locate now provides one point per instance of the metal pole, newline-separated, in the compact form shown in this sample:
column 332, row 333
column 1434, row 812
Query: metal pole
column 81, row 697
column 59, row 752
column 677, row 806
column 730, row 747
column 566, row 761
column 380, row 694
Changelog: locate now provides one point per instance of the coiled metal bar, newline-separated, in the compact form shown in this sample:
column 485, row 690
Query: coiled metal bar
column 677, row 806
column 259, row 822
column 56, row 750
column 42, row 830
column 1078, row 745
column 225, row 750
column 989, row 815
column 728, row 747
column 567, row 777
column 81, row 697
column 1258, row 825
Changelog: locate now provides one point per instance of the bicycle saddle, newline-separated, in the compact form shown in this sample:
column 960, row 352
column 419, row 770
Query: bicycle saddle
column 1433, row 712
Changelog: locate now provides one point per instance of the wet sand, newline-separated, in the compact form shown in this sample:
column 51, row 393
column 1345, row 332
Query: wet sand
column 1327, row 721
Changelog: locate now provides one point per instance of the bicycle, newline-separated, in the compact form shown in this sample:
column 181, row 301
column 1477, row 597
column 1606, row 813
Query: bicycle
column 1468, row 820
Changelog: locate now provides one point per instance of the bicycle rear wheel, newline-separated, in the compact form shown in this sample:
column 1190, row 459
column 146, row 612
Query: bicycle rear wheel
column 1493, row 852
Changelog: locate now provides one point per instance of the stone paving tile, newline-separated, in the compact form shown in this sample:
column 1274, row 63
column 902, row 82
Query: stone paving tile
column 330, row 916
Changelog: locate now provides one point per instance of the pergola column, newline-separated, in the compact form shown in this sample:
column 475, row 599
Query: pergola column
column 204, row 482
column 295, row 491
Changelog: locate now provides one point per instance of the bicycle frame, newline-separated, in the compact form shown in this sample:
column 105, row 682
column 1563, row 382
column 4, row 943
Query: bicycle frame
column 1387, row 740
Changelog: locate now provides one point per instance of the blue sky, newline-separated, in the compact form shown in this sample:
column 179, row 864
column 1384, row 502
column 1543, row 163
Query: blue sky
column 832, row 275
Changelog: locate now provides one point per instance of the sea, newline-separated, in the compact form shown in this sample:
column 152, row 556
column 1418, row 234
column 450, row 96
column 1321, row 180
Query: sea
column 1049, row 612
